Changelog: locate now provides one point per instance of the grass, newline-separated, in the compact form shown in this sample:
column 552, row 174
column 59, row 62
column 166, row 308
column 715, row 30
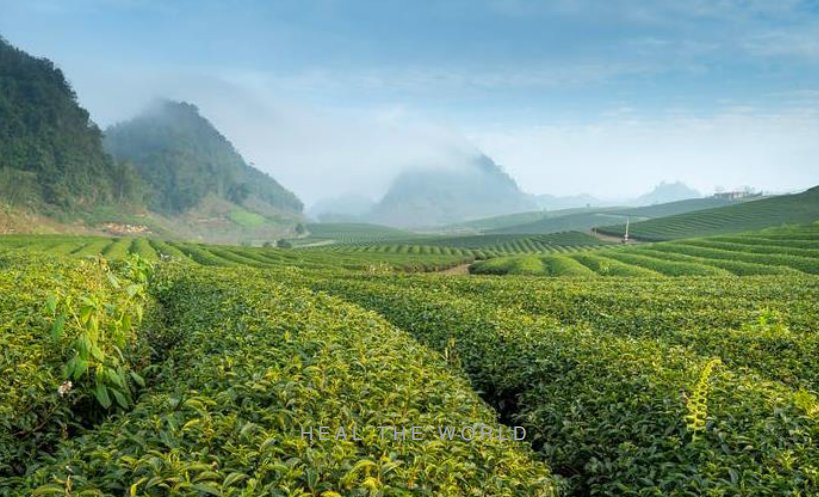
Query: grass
column 247, row 219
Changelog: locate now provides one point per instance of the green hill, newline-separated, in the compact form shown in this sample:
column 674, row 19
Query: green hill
column 586, row 219
column 509, row 220
column 349, row 233
column 184, row 159
column 799, row 208
column 680, row 207
column 774, row 251
column 582, row 221
column 51, row 154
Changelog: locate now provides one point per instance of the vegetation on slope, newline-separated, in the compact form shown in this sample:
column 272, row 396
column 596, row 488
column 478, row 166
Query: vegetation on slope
column 184, row 159
column 587, row 219
column 51, row 155
column 671, row 412
column 349, row 233
column 70, row 349
column 256, row 363
column 791, row 250
column 799, row 208
column 225, row 255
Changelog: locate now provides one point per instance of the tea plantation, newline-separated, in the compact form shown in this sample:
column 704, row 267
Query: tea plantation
column 791, row 250
column 148, row 367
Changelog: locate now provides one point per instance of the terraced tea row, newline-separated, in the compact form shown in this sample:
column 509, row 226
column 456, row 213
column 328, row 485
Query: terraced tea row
column 482, row 246
column 758, row 214
column 782, row 251
column 256, row 364
column 606, row 408
column 218, row 255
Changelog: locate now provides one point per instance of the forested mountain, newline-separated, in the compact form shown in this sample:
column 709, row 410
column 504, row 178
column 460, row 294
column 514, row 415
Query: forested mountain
column 51, row 154
column 184, row 159
column 427, row 197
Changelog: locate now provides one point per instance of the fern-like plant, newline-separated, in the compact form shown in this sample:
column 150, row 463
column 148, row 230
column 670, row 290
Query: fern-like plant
column 697, row 404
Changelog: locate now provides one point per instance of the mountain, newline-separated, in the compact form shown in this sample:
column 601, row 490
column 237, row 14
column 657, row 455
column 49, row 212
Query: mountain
column 553, row 202
column 667, row 192
column 51, row 153
column 184, row 159
column 436, row 196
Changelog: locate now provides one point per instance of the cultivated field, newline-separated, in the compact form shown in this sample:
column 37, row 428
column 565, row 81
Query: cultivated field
column 782, row 251
column 147, row 367
column 796, row 209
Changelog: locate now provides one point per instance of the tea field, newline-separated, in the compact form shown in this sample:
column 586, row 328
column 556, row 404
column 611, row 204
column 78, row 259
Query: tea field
column 793, row 250
column 148, row 367
column 230, row 256
column 802, row 208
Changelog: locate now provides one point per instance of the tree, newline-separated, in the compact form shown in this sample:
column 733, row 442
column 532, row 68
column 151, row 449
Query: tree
column 284, row 244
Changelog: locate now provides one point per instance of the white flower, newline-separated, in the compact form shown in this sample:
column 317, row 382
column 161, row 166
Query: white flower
column 64, row 388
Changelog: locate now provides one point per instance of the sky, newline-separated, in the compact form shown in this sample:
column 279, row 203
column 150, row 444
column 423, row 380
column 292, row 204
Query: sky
column 607, row 97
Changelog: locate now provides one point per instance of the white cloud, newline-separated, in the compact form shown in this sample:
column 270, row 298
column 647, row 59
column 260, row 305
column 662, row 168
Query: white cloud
column 618, row 158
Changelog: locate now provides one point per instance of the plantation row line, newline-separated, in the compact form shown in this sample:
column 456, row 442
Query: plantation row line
column 747, row 255
column 215, row 255
column 521, row 247
column 245, row 364
column 606, row 409
column 797, row 209
column 478, row 245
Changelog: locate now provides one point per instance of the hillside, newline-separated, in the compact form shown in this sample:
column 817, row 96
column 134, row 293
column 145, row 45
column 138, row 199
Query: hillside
column 183, row 159
column 774, row 251
column 51, row 154
column 430, row 197
column 586, row 219
column 344, row 233
column 799, row 208
column 579, row 221
column 679, row 207
column 507, row 220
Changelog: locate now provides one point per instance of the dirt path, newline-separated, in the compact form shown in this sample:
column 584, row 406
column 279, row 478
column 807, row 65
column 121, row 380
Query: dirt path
column 461, row 270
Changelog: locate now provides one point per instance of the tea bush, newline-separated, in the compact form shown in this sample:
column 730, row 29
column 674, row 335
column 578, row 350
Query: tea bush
column 609, row 411
column 257, row 361
column 70, row 348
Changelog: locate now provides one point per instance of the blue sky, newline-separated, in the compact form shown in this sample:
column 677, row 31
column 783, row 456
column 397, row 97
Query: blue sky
column 605, row 96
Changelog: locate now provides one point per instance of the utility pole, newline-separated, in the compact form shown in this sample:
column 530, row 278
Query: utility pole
column 625, row 237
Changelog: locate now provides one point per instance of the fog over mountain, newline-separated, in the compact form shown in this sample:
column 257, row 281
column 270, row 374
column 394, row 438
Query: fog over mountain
column 330, row 99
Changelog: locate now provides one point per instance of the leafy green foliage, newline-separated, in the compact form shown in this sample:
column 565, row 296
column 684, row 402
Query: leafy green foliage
column 215, row 255
column 183, row 159
column 758, row 214
column 257, row 361
column 782, row 251
column 606, row 407
column 70, row 342
column 51, row 154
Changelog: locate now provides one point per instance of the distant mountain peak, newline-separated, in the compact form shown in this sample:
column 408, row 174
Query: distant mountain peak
column 426, row 196
column 666, row 192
